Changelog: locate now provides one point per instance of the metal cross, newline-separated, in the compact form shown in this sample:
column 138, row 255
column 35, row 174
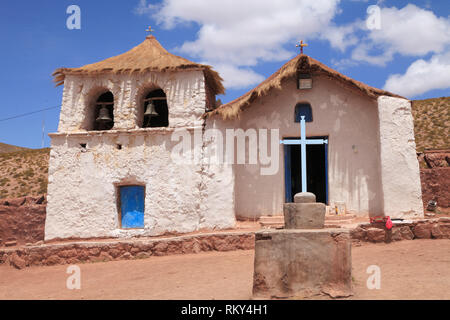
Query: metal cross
column 150, row 30
column 303, row 142
column 301, row 45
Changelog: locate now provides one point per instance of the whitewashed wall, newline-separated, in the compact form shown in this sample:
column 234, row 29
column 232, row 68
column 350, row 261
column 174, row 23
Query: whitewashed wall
column 185, row 93
column 400, row 171
column 373, row 173
column 347, row 117
column 83, row 184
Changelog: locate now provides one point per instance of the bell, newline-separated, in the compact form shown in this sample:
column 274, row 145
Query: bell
column 103, row 115
column 151, row 111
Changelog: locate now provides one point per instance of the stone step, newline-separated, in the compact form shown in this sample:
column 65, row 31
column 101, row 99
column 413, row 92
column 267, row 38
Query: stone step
column 268, row 219
column 273, row 222
column 331, row 221
column 272, row 225
column 347, row 217
column 340, row 218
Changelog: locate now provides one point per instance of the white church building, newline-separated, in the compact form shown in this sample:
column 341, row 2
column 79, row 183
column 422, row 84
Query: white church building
column 116, row 169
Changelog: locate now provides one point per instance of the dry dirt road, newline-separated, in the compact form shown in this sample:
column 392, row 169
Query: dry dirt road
column 416, row 269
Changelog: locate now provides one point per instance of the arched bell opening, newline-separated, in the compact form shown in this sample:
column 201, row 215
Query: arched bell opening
column 156, row 111
column 104, row 112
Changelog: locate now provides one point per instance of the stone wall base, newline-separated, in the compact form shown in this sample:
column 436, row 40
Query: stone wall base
column 22, row 220
column 111, row 250
column 83, row 252
column 418, row 229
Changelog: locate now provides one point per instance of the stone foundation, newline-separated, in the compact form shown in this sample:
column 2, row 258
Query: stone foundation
column 112, row 249
column 22, row 220
column 83, row 252
column 302, row 263
column 419, row 229
column 435, row 177
column 436, row 186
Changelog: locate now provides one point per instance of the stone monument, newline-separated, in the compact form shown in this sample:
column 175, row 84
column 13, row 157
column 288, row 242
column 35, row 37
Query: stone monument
column 304, row 260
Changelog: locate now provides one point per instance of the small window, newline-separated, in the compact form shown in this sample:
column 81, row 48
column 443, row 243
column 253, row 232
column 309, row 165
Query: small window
column 156, row 112
column 132, row 207
column 303, row 109
column 104, row 112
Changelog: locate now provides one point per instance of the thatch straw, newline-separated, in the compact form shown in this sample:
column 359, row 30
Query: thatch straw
column 148, row 56
column 299, row 64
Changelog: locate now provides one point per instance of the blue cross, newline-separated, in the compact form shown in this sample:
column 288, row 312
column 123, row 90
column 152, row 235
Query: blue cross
column 303, row 142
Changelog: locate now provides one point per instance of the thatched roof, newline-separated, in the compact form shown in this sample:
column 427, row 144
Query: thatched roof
column 300, row 64
column 148, row 56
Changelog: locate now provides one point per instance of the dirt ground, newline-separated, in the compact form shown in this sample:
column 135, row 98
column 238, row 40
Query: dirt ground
column 416, row 269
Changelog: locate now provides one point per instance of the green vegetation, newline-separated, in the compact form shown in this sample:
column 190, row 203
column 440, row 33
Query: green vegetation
column 432, row 123
column 23, row 172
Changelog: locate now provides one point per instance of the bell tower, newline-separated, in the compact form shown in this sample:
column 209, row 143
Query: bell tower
column 111, row 169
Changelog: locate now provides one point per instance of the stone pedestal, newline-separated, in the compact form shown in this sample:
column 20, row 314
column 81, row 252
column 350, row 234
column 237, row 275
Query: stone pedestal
column 304, row 213
column 302, row 263
column 304, row 260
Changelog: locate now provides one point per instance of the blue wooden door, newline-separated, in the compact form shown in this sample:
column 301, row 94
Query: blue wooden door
column 132, row 207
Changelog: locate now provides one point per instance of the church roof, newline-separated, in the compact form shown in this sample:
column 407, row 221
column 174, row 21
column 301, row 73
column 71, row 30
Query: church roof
column 147, row 56
column 303, row 64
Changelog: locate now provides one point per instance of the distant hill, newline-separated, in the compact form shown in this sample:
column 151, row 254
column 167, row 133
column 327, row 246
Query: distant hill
column 7, row 148
column 432, row 123
column 24, row 172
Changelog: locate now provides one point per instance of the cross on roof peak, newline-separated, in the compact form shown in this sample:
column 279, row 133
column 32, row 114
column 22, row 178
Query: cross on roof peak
column 301, row 45
column 150, row 31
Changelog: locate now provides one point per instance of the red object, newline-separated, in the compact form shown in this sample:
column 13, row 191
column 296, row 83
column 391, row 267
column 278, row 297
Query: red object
column 385, row 220
column 389, row 223
column 377, row 219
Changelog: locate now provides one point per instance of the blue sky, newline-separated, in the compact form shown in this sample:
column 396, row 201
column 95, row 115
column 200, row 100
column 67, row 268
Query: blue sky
column 244, row 40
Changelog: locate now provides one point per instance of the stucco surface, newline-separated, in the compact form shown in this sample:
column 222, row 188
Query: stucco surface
column 400, row 171
column 349, row 119
column 185, row 93
column 180, row 196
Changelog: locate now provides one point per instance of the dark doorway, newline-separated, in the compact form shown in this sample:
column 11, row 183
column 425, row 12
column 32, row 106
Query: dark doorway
column 316, row 166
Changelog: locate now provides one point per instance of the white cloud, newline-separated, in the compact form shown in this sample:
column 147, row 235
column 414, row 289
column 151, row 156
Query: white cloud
column 341, row 37
column 361, row 53
column 422, row 76
column 410, row 31
column 236, row 34
column 235, row 78
column 145, row 8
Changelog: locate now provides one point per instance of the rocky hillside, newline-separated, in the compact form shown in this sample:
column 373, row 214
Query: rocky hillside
column 7, row 148
column 23, row 173
column 432, row 123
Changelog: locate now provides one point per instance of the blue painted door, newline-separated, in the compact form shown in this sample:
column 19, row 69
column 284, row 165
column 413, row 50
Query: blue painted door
column 287, row 173
column 132, row 207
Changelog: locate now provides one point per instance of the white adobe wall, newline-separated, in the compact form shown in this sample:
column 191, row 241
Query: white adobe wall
column 219, row 177
column 347, row 117
column 400, row 172
column 179, row 197
column 185, row 93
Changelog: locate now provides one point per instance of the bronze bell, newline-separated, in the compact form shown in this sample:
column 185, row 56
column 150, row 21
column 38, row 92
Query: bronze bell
column 151, row 111
column 103, row 115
